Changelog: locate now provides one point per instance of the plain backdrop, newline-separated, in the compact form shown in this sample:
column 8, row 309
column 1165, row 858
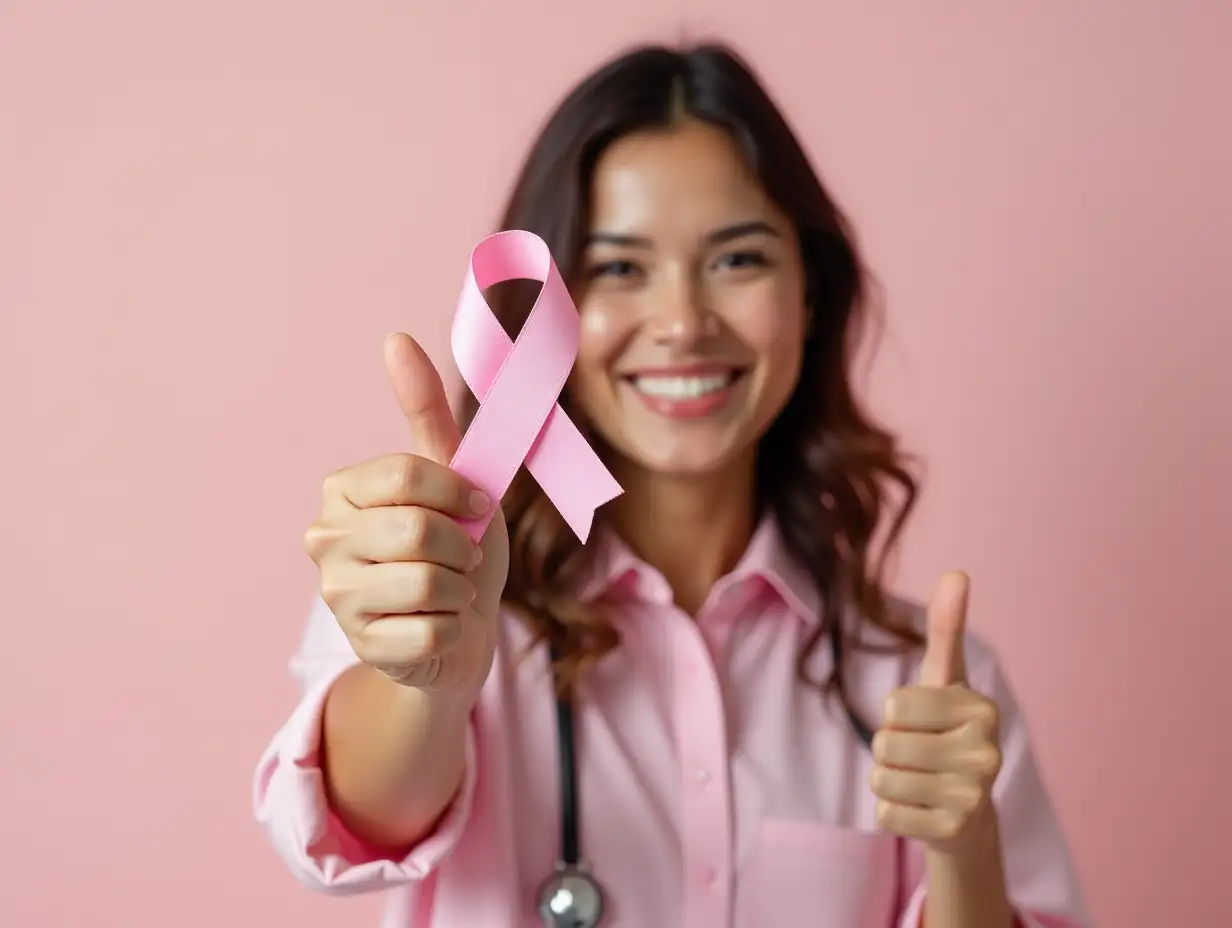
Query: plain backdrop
column 211, row 214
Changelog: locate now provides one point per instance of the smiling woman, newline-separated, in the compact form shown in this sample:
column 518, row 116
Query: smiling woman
column 704, row 246
column 689, row 700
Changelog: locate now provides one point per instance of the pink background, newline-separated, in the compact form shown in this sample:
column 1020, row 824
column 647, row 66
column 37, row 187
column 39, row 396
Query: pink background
column 210, row 214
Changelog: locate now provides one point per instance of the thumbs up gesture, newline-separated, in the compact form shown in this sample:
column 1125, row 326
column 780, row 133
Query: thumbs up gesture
column 936, row 755
column 415, row 596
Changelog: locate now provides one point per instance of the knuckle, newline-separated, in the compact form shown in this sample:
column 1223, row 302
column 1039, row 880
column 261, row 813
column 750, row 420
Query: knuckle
column 876, row 778
column 425, row 639
column 950, row 826
column 988, row 715
column 408, row 471
column 955, row 740
column 331, row 486
column 426, row 581
column 315, row 538
column 426, row 586
column 988, row 760
column 884, row 814
column 881, row 746
column 414, row 530
column 335, row 589
column 892, row 709
column 369, row 651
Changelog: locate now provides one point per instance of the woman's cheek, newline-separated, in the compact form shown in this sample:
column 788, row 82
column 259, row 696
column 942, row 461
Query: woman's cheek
column 598, row 325
column 769, row 326
column 598, row 339
column 601, row 339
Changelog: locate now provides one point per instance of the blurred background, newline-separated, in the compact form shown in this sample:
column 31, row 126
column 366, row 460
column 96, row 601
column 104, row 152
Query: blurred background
column 211, row 214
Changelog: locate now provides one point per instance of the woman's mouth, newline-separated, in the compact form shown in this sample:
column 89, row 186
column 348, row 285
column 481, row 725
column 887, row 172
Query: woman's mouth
column 691, row 394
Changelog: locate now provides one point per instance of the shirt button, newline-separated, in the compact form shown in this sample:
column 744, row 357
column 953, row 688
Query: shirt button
column 702, row 777
column 710, row 877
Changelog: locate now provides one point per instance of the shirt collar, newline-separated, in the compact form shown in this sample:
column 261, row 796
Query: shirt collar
column 613, row 569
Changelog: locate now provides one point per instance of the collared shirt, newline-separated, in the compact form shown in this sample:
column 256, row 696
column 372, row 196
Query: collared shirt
column 716, row 789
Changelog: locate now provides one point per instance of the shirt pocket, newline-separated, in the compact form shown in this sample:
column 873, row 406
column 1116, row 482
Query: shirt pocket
column 804, row 873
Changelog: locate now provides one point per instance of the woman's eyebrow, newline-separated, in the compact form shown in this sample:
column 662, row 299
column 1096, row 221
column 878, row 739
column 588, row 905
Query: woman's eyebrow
column 717, row 237
column 618, row 239
column 740, row 230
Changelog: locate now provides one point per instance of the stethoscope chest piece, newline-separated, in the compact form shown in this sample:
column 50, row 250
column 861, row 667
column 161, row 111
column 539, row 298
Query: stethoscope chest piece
column 570, row 898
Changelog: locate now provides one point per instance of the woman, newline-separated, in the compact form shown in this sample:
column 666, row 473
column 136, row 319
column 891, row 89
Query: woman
column 723, row 641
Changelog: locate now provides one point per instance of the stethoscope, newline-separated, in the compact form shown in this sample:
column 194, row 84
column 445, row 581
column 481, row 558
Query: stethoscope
column 572, row 897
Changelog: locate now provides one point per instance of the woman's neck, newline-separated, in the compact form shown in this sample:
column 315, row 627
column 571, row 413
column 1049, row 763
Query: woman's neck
column 692, row 530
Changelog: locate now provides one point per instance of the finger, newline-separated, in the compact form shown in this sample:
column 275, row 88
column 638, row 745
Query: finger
column 926, row 708
column 398, row 588
column 952, row 752
column 926, row 790
column 405, row 480
column 409, row 533
column 400, row 645
column 943, row 663
column 421, row 394
column 932, row 825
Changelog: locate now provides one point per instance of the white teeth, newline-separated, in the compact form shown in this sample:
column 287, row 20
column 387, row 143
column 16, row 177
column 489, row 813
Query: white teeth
column 681, row 388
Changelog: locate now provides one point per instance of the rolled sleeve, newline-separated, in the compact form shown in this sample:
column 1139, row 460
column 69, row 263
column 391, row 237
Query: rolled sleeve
column 291, row 805
column 913, row 916
column 1040, row 876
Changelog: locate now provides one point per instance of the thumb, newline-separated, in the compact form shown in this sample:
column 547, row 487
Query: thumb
column 421, row 394
column 944, row 663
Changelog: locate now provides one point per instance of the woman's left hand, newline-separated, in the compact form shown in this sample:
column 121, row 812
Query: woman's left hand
column 937, row 755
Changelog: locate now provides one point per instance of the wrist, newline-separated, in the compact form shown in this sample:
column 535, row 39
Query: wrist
column 981, row 842
column 453, row 699
column 436, row 716
column 967, row 884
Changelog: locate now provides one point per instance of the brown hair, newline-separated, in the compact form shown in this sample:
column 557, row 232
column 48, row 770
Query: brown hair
column 824, row 468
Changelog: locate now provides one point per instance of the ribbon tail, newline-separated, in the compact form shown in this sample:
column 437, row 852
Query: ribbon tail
column 570, row 473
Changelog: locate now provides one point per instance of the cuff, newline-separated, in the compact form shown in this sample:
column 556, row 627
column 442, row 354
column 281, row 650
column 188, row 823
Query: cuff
column 290, row 803
column 913, row 915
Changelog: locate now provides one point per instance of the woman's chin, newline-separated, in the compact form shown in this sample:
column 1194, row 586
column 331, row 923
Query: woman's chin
column 694, row 463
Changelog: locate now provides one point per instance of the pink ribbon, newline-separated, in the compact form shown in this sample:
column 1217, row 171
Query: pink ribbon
column 518, row 383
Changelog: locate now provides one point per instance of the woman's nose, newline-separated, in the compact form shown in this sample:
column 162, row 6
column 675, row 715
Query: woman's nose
column 681, row 314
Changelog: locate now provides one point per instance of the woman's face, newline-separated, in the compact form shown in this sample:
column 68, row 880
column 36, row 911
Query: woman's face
column 693, row 316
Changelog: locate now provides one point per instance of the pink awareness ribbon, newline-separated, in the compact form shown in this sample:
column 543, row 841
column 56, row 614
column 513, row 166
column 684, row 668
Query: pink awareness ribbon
column 518, row 383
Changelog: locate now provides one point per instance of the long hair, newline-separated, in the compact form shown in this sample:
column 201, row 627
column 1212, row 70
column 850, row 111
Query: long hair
column 830, row 476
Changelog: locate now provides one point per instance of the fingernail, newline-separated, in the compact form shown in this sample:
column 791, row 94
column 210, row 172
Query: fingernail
column 477, row 558
column 479, row 502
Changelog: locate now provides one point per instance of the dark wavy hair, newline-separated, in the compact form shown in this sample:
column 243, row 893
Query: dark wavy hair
column 825, row 470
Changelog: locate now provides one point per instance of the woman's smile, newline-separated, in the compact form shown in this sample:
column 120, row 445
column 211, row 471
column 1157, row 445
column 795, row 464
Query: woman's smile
column 695, row 391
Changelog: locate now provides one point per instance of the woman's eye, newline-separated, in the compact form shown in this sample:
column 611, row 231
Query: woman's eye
column 613, row 269
column 742, row 259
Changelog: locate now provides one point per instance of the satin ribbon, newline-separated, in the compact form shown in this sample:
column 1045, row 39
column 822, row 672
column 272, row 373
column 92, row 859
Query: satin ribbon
column 518, row 383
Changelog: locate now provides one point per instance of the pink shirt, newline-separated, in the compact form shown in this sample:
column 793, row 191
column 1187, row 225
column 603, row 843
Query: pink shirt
column 715, row 789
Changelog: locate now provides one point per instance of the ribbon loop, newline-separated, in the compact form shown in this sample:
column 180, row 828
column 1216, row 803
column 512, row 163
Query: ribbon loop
column 518, row 384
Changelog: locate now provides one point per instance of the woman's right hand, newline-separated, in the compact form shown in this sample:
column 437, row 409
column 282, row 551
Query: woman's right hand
column 415, row 596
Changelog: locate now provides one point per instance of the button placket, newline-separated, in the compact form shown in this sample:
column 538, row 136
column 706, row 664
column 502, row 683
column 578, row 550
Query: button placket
column 701, row 734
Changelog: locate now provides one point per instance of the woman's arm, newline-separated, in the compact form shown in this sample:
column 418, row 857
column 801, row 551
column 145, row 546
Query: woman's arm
column 967, row 888
column 326, row 789
column 393, row 756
